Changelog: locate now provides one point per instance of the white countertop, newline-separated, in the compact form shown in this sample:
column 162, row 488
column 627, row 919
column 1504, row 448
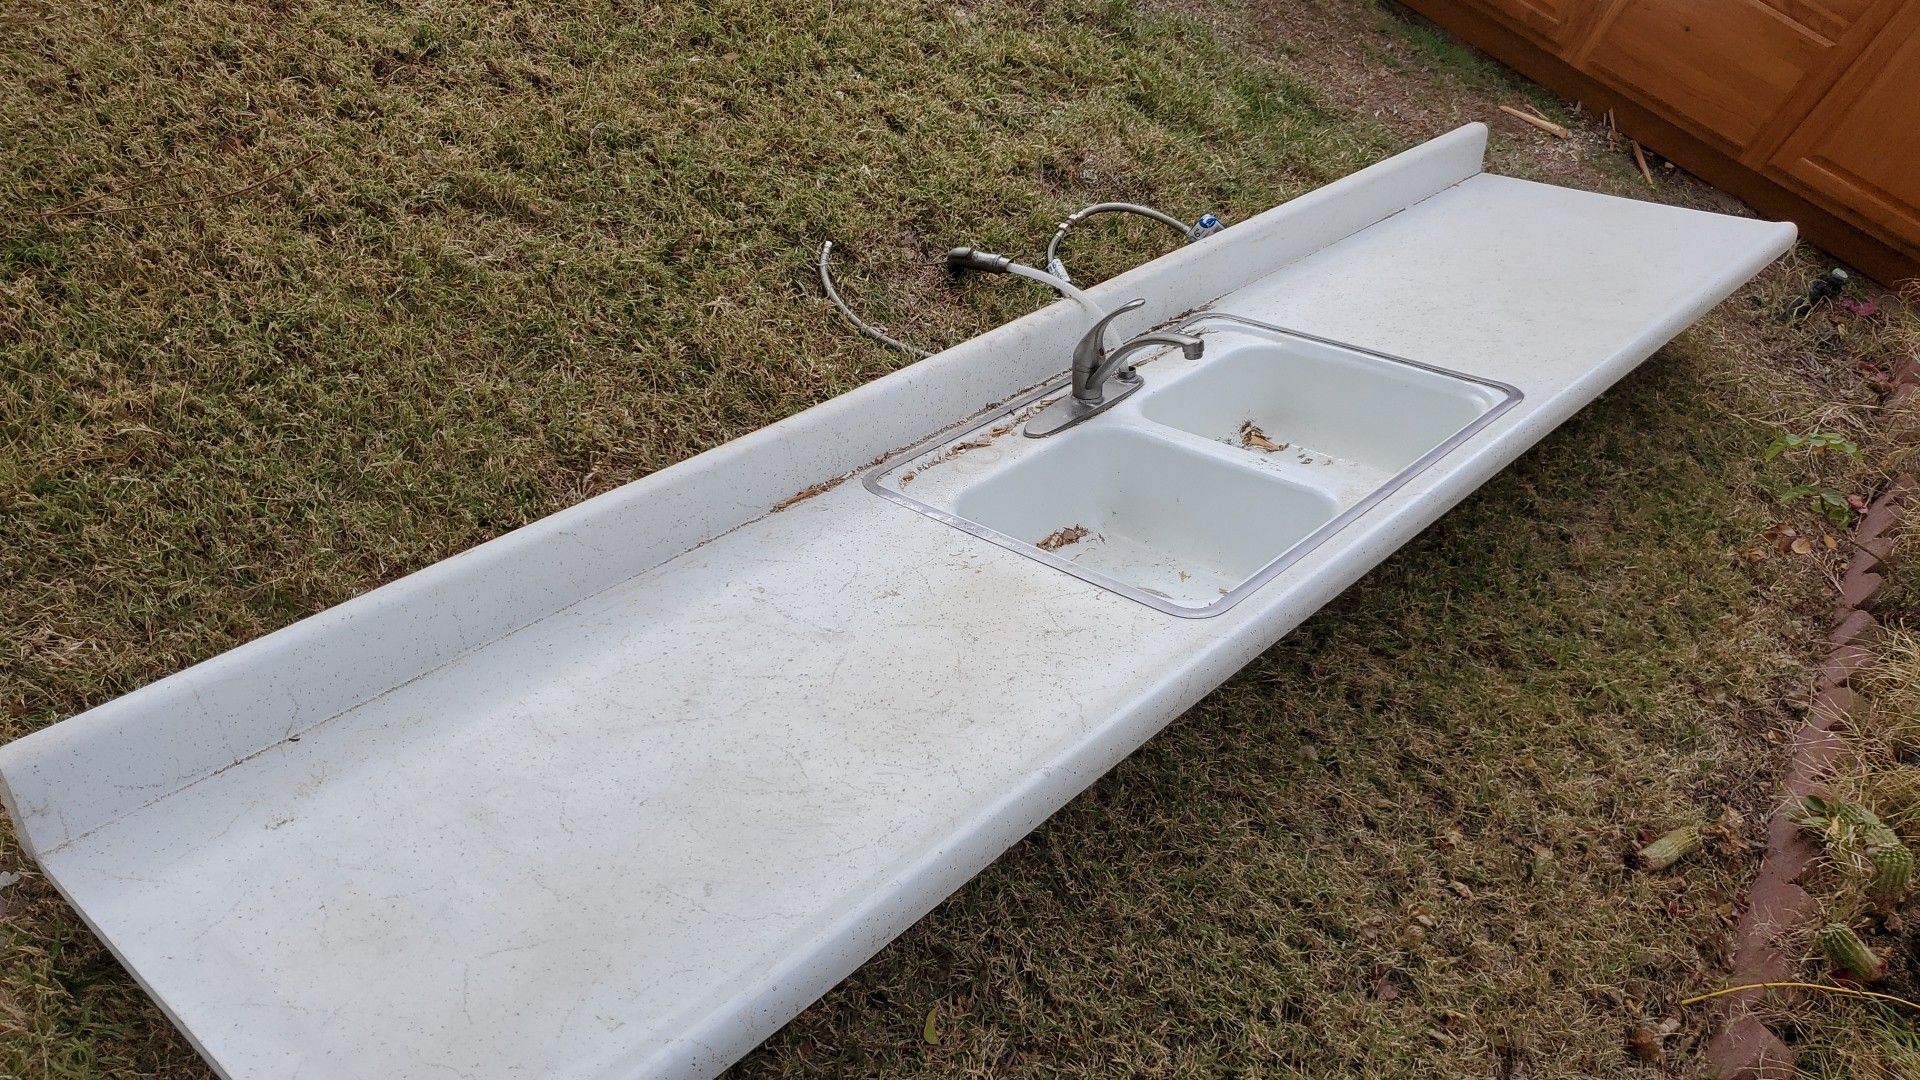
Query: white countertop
column 633, row 836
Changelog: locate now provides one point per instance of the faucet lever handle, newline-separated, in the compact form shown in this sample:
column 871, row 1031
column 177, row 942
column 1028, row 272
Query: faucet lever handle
column 1096, row 335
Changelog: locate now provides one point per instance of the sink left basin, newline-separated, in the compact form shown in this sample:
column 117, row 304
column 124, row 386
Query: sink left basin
column 1148, row 512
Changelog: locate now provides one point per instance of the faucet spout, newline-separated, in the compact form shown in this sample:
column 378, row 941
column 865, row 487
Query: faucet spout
column 1190, row 347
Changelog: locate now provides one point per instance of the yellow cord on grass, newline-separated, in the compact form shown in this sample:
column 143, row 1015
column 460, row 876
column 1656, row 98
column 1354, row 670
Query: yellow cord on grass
column 1802, row 986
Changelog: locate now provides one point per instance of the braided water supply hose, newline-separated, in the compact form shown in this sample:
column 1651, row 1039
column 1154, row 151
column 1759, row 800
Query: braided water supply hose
column 1206, row 226
column 865, row 327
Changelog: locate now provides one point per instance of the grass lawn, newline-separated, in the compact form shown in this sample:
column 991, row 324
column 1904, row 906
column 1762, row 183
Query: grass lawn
column 298, row 297
column 1878, row 768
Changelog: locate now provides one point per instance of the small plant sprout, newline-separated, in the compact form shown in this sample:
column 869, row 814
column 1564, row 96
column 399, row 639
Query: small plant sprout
column 1818, row 442
column 1830, row 502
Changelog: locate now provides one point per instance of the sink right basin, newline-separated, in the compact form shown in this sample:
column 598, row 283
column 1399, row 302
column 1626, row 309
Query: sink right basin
column 1325, row 399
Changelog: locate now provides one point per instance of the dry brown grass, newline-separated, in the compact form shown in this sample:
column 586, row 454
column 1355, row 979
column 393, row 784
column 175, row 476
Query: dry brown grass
column 1846, row 1038
column 546, row 249
column 1879, row 769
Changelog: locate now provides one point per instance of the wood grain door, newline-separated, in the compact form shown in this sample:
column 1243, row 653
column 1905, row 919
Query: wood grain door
column 1553, row 22
column 1809, row 109
column 1722, row 68
column 1860, row 146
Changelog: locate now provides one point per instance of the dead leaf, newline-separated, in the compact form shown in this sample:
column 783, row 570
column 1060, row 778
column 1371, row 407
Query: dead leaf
column 1644, row 1044
column 1059, row 538
column 930, row 1033
column 1540, row 867
column 1729, row 833
column 1253, row 438
column 1801, row 546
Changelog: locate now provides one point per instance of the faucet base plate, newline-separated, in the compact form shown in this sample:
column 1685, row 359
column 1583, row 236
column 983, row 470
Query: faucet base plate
column 1070, row 410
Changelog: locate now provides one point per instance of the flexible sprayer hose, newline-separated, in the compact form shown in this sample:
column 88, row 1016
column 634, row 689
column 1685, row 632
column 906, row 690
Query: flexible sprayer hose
column 1054, row 276
column 865, row 327
column 1058, row 284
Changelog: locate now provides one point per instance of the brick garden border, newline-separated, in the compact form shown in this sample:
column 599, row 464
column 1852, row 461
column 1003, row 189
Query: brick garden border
column 1743, row 1047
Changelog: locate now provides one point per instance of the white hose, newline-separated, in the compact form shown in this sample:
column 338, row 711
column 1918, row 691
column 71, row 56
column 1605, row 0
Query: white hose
column 1060, row 285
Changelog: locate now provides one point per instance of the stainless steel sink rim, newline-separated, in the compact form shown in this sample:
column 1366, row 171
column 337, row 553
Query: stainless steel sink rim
column 874, row 477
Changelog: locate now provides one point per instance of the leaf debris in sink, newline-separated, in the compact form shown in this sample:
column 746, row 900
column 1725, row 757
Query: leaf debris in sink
column 956, row 450
column 1032, row 410
column 1061, row 537
column 1253, row 438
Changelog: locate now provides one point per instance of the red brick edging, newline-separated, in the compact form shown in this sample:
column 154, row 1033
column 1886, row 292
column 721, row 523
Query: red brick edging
column 1743, row 1047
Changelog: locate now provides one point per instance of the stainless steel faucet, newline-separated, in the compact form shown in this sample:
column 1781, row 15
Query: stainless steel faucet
column 1102, row 377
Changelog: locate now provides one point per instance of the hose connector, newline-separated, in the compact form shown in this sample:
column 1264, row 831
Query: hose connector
column 1206, row 226
column 966, row 258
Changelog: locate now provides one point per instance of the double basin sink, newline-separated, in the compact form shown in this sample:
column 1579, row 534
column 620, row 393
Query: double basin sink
column 1212, row 478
